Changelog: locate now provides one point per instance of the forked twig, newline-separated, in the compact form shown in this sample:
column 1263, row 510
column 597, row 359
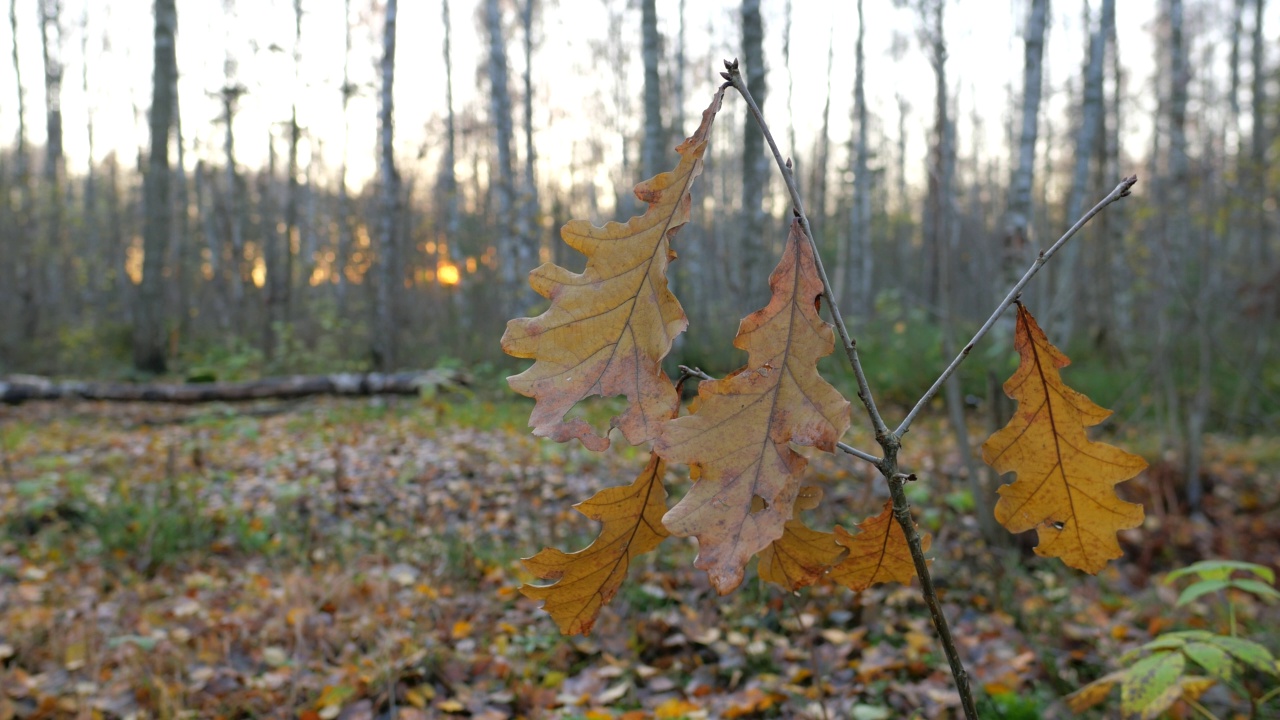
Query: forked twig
column 888, row 441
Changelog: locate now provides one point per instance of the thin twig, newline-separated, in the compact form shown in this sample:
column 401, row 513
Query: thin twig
column 859, row 454
column 888, row 441
column 1120, row 191
column 850, row 345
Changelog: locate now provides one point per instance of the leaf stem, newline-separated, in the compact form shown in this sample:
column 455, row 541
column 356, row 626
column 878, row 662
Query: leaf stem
column 1120, row 191
column 889, row 441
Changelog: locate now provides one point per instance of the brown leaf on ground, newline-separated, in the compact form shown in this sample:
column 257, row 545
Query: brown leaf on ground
column 738, row 443
column 879, row 554
column 609, row 327
column 802, row 554
column 1065, row 487
column 589, row 578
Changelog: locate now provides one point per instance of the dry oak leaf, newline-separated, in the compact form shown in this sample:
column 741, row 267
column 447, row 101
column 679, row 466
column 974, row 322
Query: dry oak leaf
column 1065, row 486
column 802, row 554
column 738, row 443
column 879, row 554
column 631, row 520
column 609, row 327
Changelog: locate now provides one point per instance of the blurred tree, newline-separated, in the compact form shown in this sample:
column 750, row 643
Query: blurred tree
column 383, row 347
column 150, row 316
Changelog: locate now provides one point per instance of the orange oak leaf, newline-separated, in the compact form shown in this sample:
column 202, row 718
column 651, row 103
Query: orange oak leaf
column 609, row 327
column 879, row 554
column 631, row 520
column 1065, row 487
column 802, row 554
column 738, row 443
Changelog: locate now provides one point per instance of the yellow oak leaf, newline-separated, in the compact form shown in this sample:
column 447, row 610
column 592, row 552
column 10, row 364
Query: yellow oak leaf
column 802, row 554
column 738, row 443
column 1065, row 486
column 631, row 520
column 608, row 328
column 878, row 554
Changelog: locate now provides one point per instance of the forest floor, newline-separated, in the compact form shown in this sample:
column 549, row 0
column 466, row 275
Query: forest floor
column 356, row 559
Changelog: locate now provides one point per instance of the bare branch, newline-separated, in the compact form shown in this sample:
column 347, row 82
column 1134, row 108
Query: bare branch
column 1120, row 191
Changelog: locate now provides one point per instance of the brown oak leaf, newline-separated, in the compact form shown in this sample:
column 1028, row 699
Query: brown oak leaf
column 879, row 554
column 609, row 327
column 738, row 442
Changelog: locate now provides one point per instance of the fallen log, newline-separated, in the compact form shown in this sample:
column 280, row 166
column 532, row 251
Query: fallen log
column 16, row 389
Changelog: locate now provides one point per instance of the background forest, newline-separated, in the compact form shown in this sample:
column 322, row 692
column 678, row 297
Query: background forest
column 199, row 191
column 294, row 218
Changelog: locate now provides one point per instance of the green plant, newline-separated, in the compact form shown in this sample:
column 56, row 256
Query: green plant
column 1160, row 673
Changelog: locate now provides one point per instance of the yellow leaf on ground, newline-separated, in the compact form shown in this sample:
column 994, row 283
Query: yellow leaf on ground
column 631, row 520
column 461, row 629
column 1065, row 487
column 675, row 708
column 609, row 327
column 879, row 554
column 802, row 554
column 739, row 440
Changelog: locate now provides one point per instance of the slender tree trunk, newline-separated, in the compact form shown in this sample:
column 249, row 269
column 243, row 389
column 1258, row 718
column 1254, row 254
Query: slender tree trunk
column 755, row 176
column 527, row 232
column 448, row 176
column 93, row 238
column 148, row 337
column 180, row 247
column 26, row 270
column 384, row 334
column 941, row 158
column 1245, row 398
column 677, row 116
column 822, row 155
column 502, row 177
column 860, row 271
column 652, row 151
column 1018, row 219
column 234, row 215
column 58, row 257
column 344, row 202
column 1067, row 300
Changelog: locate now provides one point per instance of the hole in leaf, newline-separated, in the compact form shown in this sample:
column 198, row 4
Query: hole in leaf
column 758, row 504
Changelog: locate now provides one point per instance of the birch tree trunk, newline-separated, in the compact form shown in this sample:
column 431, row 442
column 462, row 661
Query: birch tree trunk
column 26, row 272
column 235, row 215
column 755, row 176
column 1067, row 301
column 180, row 248
column 448, row 176
column 51, row 48
column 860, row 271
column 149, row 319
column 502, row 175
column 941, row 157
column 1018, row 219
column 651, row 152
column 383, row 346
column 527, row 234
column 344, row 202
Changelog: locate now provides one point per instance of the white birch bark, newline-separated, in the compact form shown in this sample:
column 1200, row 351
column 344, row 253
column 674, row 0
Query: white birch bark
column 388, row 276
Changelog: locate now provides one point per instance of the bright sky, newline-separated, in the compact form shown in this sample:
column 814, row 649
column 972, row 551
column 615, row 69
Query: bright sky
column 985, row 65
